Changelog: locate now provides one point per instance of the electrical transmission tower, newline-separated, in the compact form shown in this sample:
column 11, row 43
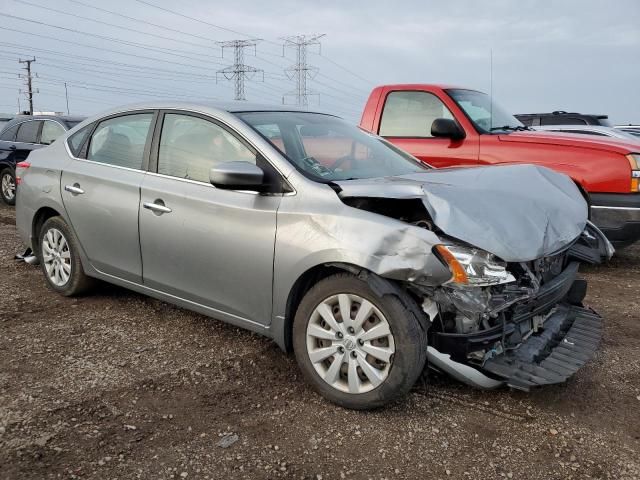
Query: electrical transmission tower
column 301, row 70
column 29, row 82
column 239, row 72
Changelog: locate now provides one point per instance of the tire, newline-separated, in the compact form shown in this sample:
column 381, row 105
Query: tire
column 8, row 186
column 406, row 342
column 60, row 260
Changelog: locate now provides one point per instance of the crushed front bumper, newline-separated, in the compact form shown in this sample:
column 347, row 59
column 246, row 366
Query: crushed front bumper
column 570, row 338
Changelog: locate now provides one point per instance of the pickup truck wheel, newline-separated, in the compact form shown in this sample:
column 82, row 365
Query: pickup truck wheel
column 8, row 186
column 359, row 350
column 60, row 261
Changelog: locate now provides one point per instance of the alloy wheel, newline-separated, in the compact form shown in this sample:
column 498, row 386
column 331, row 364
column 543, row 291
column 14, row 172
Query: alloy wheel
column 350, row 343
column 8, row 186
column 56, row 257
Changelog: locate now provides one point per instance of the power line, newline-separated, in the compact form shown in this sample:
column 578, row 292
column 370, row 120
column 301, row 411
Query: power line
column 301, row 70
column 239, row 72
column 139, row 32
column 146, row 46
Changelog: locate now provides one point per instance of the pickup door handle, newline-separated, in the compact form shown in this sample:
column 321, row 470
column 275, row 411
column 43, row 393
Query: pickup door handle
column 13, row 147
column 159, row 208
column 74, row 189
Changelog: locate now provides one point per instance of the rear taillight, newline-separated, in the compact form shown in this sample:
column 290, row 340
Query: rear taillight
column 21, row 168
column 634, row 162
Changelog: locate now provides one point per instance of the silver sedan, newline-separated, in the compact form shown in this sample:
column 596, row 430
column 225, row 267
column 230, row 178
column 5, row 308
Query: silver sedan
column 301, row 227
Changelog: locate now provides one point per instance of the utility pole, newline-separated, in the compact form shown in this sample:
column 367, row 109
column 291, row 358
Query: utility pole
column 29, row 78
column 239, row 72
column 66, row 96
column 301, row 70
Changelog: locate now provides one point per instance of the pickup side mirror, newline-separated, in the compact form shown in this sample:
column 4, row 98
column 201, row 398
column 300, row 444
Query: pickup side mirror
column 447, row 128
column 237, row 176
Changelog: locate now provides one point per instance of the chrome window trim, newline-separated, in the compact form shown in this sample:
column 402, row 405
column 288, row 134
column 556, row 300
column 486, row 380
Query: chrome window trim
column 34, row 120
column 602, row 207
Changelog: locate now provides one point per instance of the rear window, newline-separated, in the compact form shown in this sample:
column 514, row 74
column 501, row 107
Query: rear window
column 562, row 120
column 9, row 134
column 28, row 132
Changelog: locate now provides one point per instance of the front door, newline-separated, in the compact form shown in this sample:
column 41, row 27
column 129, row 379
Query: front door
column 406, row 122
column 102, row 194
column 210, row 246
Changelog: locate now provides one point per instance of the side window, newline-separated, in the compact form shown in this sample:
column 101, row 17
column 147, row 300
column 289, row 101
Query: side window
column 28, row 131
column 120, row 141
column 191, row 146
column 50, row 132
column 9, row 134
column 410, row 114
column 76, row 141
column 560, row 120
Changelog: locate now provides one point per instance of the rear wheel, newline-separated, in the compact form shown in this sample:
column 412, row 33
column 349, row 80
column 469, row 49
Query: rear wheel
column 8, row 186
column 60, row 260
column 358, row 349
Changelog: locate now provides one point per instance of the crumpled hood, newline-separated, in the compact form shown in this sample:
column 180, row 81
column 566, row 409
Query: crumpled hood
column 517, row 212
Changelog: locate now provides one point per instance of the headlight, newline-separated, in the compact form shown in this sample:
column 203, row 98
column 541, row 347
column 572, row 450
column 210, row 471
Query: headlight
column 474, row 267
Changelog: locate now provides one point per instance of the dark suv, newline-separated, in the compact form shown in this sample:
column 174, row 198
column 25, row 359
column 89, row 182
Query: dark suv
column 22, row 135
column 560, row 117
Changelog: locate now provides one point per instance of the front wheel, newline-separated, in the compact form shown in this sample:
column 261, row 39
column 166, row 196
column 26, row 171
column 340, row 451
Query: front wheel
column 8, row 186
column 359, row 350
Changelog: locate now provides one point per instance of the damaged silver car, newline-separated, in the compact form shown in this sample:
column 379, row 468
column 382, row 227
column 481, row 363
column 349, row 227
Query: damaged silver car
column 365, row 262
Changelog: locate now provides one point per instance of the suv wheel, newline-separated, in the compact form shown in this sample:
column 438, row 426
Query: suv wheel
column 358, row 349
column 8, row 186
column 60, row 260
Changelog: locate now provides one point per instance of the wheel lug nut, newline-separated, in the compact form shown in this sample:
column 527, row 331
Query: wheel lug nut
column 354, row 354
column 339, row 335
column 341, row 349
column 360, row 342
column 351, row 330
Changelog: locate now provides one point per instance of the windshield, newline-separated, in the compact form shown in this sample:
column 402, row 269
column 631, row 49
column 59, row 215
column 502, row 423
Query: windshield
column 483, row 112
column 326, row 148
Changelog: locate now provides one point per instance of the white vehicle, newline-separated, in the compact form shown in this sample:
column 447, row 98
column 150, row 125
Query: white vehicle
column 632, row 129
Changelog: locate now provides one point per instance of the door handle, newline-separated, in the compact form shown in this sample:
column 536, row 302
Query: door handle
column 157, row 207
column 12, row 147
column 74, row 189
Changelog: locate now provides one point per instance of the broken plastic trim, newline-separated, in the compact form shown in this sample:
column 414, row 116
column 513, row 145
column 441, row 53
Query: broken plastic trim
column 461, row 372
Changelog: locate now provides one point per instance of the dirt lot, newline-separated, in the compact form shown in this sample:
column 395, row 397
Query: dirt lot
column 117, row 385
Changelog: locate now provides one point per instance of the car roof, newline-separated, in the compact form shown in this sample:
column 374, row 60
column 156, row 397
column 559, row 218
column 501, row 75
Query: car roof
column 221, row 106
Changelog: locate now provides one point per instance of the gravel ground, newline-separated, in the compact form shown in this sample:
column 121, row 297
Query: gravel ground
column 118, row 385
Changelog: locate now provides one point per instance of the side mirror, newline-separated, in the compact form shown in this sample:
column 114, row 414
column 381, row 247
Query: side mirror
column 447, row 128
column 237, row 176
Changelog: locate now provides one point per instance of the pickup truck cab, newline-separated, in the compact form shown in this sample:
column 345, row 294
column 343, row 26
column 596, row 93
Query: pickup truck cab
column 450, row 126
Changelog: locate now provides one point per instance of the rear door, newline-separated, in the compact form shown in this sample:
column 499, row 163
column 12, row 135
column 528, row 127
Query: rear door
column 406, row 121
column 210, row 246
column 101, row 192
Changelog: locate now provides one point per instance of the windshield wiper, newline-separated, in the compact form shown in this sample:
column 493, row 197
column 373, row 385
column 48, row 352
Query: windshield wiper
column 510, row 128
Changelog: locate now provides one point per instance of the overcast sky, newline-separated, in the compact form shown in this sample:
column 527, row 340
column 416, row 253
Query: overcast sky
column 568, row 55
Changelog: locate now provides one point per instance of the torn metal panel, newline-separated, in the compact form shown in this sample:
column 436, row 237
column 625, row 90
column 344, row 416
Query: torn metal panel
column 517, row 212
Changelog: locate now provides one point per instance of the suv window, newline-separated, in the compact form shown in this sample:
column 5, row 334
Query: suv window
column 410, row 114
column 562, row 120
column 120, row 141
column 9, row 134
column 28, row 131
column 50, row 132
column 190, row 146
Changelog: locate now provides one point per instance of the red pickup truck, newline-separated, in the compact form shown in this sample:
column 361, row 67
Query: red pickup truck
column 449, row 126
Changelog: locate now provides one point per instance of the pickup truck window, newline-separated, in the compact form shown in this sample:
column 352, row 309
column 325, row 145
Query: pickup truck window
column 410, row 114
column 326, row 148
column 483, row 112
